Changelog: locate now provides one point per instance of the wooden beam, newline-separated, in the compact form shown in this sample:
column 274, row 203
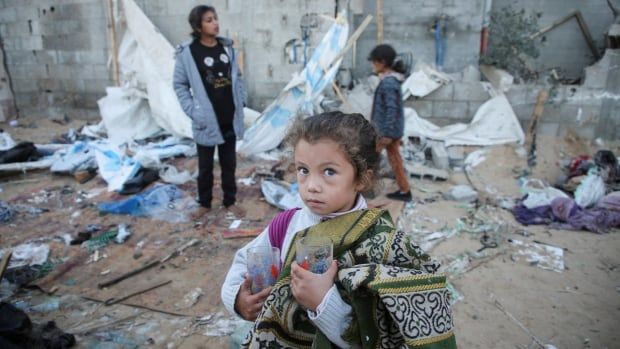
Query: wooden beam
column 582, row 25
column 358, row 32
column 112, row 42
column 379, row 22
column 239, row 50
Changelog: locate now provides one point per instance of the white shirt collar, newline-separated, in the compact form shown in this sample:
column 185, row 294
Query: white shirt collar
column 360, row 204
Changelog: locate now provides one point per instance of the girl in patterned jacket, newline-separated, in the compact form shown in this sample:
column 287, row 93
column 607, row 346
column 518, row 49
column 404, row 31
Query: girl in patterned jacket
column 350, row 305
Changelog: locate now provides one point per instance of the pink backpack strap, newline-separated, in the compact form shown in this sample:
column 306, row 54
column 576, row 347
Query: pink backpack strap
column 278, row 227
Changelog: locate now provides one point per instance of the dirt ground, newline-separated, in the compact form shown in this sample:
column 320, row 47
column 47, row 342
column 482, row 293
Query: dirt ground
column 505, row 301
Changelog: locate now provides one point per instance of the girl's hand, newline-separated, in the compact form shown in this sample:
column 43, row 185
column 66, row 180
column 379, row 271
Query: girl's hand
column 249, row 305
column 309, row 288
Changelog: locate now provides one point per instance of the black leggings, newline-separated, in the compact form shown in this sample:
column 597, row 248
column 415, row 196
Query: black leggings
column 228, row 163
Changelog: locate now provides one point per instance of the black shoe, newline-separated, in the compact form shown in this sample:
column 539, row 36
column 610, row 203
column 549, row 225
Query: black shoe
column 397, row 195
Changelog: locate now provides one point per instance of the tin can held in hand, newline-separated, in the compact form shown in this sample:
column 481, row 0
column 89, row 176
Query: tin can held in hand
column 314, row 254
column 263, row 266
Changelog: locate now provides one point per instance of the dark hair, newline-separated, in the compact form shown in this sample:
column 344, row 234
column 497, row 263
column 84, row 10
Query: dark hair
column 387, row 55
column 195, row 18
column 355, row 135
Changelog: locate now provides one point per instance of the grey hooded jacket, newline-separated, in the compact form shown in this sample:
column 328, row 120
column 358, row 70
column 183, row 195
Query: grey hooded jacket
column 194, row 100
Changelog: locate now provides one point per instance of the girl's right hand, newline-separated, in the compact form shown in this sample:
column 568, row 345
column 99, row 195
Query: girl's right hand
column 249, row 305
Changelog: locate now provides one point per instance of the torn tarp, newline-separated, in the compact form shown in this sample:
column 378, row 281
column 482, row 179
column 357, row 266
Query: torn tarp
column 115, row 167
column 494, row 123
column 300, row 93
column 163, row 202
column 78, row 157
column 147, row 62
column 423, row 81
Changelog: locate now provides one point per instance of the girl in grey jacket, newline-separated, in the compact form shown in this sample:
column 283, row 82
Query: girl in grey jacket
column 208, row 84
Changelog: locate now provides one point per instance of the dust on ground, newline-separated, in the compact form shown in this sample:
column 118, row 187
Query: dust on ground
column 575, row 308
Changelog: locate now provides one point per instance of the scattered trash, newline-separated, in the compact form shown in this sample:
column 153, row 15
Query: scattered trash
column 222, row 325
column 6, row 212
column 49, row 304
column 541, row 255
column 281, row 194
column 190, row 299
column 564, row 213
column 539, row 194
column 79, row 157
column 462, row 193
column 115, row 167
column 170, row 174
column 29, row 254
column 123, row 234
column 100, row 241
column 235, row 224
column 590, row 191
column 163, row 201
column 6, row 142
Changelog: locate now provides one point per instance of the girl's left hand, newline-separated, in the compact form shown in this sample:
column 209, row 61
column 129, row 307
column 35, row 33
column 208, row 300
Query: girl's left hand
column 310, row 288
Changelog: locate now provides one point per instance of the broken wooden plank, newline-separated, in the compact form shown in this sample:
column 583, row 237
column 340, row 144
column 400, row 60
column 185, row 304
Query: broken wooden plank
column 5, row 263
column 353, row 39
column 241, row 233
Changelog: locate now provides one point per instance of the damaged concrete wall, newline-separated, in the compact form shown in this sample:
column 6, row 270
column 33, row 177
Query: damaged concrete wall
column 572, row 55
column 7, row 102
column 407, row 26
column 263, row 28
column 56, row 53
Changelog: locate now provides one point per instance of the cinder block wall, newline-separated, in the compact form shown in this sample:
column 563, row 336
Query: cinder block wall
column 569, row 106
column 56, row 53
column 407, row 27
column 557, row 50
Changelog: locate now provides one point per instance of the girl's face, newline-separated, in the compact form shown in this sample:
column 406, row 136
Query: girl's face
column 326, row 178
column 378, row 67
column 210, row 25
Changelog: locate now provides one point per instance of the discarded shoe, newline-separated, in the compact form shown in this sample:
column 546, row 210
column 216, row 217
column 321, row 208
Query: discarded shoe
column 397, row 195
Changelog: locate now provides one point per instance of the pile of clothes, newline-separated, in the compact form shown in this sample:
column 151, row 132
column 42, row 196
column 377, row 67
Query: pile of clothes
column 595, row 205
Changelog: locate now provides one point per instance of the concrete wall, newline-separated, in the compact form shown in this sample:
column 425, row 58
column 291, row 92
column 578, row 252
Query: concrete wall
column 263, row 28
column 56, row 54
column 575, row 107
column 57, row 50
column 565, row 46
column 407, row 27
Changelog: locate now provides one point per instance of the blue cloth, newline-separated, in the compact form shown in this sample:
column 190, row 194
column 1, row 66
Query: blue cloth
column 388, row 114
column 195, row 102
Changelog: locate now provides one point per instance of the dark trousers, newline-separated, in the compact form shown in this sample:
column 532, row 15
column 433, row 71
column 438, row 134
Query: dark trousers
column 228, row 163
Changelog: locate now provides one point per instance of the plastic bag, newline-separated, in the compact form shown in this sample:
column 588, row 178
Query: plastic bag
column 277, row 194
column 163, row 202
column 590, row 191
column 539, row 194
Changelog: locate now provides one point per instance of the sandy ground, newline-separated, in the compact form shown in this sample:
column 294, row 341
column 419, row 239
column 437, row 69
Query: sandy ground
column 578, row 307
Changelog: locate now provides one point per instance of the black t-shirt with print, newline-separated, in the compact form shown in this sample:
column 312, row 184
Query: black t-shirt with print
column 214, row 67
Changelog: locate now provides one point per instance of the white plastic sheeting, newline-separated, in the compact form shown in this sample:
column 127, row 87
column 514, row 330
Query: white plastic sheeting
column 300, row 93
column 151, row 56
column 115, row 167
column 126, row 115
column 423, row 81
column 494, row 123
